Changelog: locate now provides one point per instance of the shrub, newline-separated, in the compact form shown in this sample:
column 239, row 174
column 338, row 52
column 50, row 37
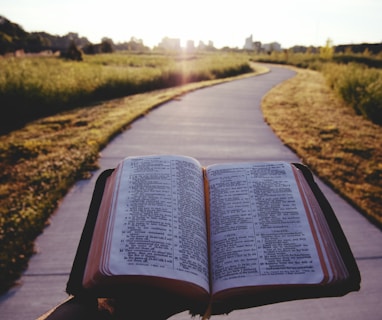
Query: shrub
column 74, row 53
column 359, row 86
column 327, row 51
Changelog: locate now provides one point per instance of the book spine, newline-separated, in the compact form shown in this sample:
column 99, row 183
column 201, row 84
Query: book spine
column 74, row 284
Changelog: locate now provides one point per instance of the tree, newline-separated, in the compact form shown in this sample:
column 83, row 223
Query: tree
column 6, row 43
column 327, row 52
column 73, row 52
column 107, row 46
column 35, row 43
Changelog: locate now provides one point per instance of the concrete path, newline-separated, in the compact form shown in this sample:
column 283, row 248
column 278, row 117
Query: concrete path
column 217, row 124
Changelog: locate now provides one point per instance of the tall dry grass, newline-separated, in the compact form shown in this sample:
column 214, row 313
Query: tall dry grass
column 357, row 78
column 359, row 86
column 41, row 86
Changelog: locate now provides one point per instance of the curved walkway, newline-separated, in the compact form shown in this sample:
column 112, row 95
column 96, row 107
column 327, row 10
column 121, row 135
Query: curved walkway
column 217, row 124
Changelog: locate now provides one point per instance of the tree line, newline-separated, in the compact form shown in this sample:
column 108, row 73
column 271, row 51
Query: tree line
column 14, row 38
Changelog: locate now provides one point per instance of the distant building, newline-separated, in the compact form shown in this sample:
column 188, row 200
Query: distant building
column 304, row 49
column 208, row 47
column 190, row 46
column 169, row 44
column 249, row 44
column 271, row 47
column 201, row 45
column 257, row 46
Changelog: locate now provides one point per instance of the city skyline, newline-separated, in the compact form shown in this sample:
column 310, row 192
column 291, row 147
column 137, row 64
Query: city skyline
column 224, row 23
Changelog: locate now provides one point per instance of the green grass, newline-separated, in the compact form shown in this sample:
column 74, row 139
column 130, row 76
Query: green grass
column 42, row 86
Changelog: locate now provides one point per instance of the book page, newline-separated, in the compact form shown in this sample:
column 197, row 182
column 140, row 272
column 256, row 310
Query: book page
column 330, row 253
column 159, row 224
column 260, row 234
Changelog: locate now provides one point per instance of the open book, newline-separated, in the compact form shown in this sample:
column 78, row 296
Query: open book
column 227, row 236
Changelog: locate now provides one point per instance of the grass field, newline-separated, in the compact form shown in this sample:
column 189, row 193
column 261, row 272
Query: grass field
column 42, row 86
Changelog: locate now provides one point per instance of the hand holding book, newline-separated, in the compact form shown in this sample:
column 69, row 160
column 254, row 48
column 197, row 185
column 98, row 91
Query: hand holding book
column 226, row 236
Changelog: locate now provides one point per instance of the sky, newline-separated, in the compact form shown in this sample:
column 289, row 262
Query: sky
column 225, row 23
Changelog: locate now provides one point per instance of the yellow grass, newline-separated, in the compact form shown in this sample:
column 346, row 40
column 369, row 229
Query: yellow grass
column 343, row 148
